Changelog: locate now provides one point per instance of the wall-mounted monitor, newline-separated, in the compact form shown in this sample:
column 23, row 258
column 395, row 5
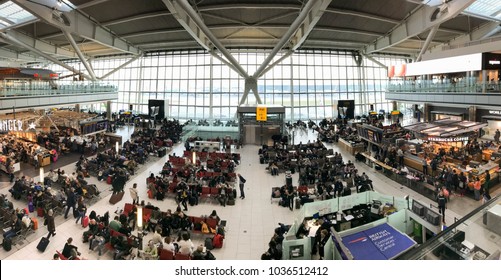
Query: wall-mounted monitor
column 432, row 217
column 417, row 208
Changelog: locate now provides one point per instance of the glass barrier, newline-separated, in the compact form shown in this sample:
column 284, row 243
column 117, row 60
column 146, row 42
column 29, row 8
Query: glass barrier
column 477, row 236
column 471, row 85
column 9, row 89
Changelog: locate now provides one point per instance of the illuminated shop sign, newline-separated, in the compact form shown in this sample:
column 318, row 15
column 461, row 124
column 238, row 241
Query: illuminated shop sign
column 494, row 62
column 495, row 112
column 11, row 125
column 448, row 139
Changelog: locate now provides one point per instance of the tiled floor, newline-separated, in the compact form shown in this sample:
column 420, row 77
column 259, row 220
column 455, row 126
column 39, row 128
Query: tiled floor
column 250, row 223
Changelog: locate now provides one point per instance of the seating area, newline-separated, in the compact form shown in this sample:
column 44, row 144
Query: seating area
column 150, row 215
column 17, row 221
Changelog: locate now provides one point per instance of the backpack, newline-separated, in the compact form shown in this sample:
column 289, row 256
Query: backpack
column 7, row 244
column 208, row 243
column 217, row 241
column 205, row 228
column 220, row 231
column 197, row 226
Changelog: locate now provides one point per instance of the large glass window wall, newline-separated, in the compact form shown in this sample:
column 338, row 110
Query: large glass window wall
column 196, row 85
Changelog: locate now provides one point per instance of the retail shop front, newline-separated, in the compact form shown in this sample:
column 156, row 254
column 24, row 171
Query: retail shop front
column 38, row 138
column 493, row 120
column 452, row 145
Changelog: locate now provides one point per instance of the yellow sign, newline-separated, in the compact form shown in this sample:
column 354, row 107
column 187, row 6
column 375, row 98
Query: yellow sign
column 261, row 114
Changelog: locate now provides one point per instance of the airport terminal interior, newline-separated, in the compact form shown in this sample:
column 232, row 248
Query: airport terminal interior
column 250, row 130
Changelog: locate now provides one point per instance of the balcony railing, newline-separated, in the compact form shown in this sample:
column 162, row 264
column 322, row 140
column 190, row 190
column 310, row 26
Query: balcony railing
column 464, row 86
column 7, row 90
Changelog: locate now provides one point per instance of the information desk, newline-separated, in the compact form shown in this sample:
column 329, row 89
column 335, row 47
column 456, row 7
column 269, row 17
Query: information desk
column 351, row 147
column 346, row 219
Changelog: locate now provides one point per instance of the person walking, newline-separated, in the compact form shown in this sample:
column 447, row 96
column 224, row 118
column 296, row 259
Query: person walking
column 476, row 188
column 241, row 184
column 70, row 202
column 425, row 167
column 134, row 194
column 442, row 201
column 82, row 210
column 49, row 222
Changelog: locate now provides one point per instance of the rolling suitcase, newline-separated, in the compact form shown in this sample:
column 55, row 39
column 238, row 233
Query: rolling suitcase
column 35, row 223
column 230, row 202
column 31, row 207
column 7, row 244
column 116, row 197
column 42, row 245
column 109, row 180
column 85, row 221
column 40, row 212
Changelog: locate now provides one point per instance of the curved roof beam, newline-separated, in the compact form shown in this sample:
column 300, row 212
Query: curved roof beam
column 419, row 21
column 479, row 33
column 239, row 27
column 299, row 30
column 21, row 44
column 9, row 54
column 194, row 25
column 76, row 23
column 41, row 45
column 137, row 17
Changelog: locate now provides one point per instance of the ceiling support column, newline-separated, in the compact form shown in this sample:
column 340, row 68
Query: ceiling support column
column 427, row 43
column 80, row 54
column 286, row 37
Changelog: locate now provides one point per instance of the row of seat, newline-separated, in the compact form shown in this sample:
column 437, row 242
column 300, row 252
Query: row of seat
column 6, row 217
column 166, row 255
column 153, row 214
column 211, row 155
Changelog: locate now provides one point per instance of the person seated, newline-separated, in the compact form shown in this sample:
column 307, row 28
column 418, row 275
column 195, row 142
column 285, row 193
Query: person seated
column 122, row 247
column 93, row 229
column 151, row 251
column 157, row 237
column 213, row 215
column 15, row 227
column 199, row 253
column 115, row 224
column 404, row 170
column 274, row 169
column 70, row 251
column 168, row 244
column 98, row 240
column 223, row 195
column 185, row 245
column 303, row 230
